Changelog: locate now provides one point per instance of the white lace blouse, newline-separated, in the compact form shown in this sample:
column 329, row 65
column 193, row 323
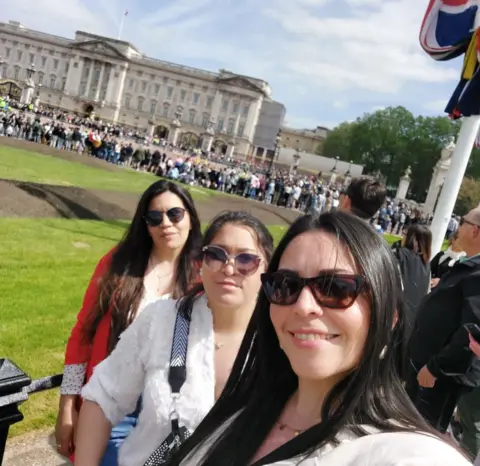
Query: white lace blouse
column 139, row 366
column 74, row 374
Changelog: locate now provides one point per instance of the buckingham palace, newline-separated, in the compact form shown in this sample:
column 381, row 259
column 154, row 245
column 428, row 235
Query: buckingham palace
column 112, row 80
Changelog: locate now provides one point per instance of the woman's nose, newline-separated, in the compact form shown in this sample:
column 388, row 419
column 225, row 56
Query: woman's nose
column 307, row 304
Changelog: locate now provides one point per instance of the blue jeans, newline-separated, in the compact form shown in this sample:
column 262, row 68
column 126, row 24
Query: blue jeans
column 119, row 433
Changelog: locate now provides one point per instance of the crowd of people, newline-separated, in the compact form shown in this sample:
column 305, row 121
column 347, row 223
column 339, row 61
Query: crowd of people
column 331, row 349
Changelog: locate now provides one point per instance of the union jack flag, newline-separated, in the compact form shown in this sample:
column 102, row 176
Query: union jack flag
column 450, row 29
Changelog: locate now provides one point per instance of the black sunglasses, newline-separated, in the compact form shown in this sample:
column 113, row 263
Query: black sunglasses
column 154, row 218
column 216, row 258
column 332, row 290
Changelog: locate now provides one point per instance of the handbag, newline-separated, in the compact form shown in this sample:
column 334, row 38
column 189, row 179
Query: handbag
column 176, row 378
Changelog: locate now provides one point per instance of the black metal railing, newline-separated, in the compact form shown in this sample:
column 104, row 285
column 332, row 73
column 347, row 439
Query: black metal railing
column 15, row 388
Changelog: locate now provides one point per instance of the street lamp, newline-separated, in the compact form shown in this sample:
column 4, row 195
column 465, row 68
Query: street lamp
column 334, row 169
column 2, row 62
column 276, row 152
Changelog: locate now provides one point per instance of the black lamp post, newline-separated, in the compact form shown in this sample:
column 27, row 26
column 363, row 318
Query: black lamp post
column 2, row 62
column 276, row 152
column 334, row 169
column 347, row 173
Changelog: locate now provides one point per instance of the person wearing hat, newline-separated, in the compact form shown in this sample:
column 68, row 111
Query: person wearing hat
column 442, row 368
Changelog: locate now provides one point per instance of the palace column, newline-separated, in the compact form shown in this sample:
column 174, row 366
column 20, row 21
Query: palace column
column 99, row 84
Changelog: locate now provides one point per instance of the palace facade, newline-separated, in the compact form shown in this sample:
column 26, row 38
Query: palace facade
column 113, row 80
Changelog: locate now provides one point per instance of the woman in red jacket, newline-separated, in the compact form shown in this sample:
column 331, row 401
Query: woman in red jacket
column 155, row 260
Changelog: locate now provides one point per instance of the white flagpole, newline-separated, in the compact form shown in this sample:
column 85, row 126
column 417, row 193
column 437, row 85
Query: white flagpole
column 453, row 180
column 121, row 24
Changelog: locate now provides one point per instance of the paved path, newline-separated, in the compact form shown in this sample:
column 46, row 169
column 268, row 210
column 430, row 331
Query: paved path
column 35, row 449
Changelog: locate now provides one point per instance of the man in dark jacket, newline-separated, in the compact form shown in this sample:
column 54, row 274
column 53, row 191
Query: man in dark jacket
column 442, row 366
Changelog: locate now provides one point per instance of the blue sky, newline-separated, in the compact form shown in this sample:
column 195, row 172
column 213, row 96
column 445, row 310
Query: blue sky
column 328, row 61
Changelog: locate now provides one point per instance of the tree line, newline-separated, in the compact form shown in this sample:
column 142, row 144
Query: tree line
column 387, row 141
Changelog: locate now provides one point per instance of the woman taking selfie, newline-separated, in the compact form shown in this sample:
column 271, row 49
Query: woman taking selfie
column 154, row 260
column 316, row 378
column 188, row 344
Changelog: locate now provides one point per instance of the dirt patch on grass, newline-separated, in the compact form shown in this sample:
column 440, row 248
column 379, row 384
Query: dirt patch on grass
column 21, row 199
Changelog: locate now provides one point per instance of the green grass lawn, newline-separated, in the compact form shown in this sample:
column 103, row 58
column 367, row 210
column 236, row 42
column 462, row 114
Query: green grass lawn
column 24, row 165
column 45, row 266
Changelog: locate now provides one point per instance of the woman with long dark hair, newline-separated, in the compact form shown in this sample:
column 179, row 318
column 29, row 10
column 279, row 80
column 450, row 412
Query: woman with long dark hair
column 188, row 344
column 316, row 380
column 154, row 260
column 414, row 261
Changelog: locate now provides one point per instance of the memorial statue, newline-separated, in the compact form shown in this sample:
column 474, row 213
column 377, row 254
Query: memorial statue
column 448, row 150
column 408, row 172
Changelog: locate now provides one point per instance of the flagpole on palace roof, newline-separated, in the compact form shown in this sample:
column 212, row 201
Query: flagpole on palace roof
column 121, row 24
column 453, row 180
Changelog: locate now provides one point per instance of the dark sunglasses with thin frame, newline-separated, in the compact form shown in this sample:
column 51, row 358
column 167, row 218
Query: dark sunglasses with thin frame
column 215, row 258
column 332, row 290
column 154, row 218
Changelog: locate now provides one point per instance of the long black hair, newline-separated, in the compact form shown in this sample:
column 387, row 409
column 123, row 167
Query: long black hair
column 264, row 239
column 121, row 288
column 262, row 379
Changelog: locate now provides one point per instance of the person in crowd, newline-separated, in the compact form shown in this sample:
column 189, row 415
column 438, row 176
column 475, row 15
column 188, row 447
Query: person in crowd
column 316, row 380
column 442, row 368
column 414, row 261
column 363, row 197
column 475, row 347
column 154, row 260
column 445, row 260
column 236, row 250
column 399, row 243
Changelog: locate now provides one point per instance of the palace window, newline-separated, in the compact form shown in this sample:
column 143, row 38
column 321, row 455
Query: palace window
column 246, row 109
column 166, row 108
column 165, row 80
column 183, row 95
column 40, row 78
column 64, row 83
column 53, row 80
column 32, row 58
column 67, row 67
column 225, row 105
column 144, row 86
column 127, row 101
column 220, row 124
column 230, row 127
column 170, row 92
column 140, row 104
column 19, row 55
column 44, row 62
column 209, row 101
column 55, row 65
column 191, row 117
column 241, row 129
column 131, row 84
column 16, row 72
column 235, row 108
column 7, row 53
column 153, row 107
column 157, row 89
column 196, row 98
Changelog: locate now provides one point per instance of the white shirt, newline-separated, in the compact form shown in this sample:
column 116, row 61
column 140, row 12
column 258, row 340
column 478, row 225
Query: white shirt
column 139, row 365
column 380, row 449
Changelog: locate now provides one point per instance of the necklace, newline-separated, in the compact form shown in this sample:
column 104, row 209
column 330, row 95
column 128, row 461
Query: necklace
column 157, row 276
column 296, row 432
column 219, row 346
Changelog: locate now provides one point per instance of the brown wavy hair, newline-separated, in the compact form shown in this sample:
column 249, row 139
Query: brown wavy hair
column 121, row 288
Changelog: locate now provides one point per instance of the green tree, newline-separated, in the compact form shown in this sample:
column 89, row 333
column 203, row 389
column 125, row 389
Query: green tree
column 387, row 141
column 468, row 197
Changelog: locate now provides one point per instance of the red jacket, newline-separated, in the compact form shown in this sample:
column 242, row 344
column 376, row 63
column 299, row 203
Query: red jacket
column 78, row 350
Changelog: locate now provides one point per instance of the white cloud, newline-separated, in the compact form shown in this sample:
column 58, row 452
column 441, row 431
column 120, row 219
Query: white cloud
column 436, row 106
column 340, row 104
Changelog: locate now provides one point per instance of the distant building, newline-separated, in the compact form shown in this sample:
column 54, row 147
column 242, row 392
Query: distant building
column 272, row 116
column 304, row 140
column 113, row 80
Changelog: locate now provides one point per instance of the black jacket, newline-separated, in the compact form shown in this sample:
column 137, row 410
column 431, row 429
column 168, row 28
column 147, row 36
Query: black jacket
column 439, row 339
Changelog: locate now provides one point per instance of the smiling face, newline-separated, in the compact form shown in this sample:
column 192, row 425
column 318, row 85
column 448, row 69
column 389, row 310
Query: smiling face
column 321, row 343
column 225, row 287
column 169, row 234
